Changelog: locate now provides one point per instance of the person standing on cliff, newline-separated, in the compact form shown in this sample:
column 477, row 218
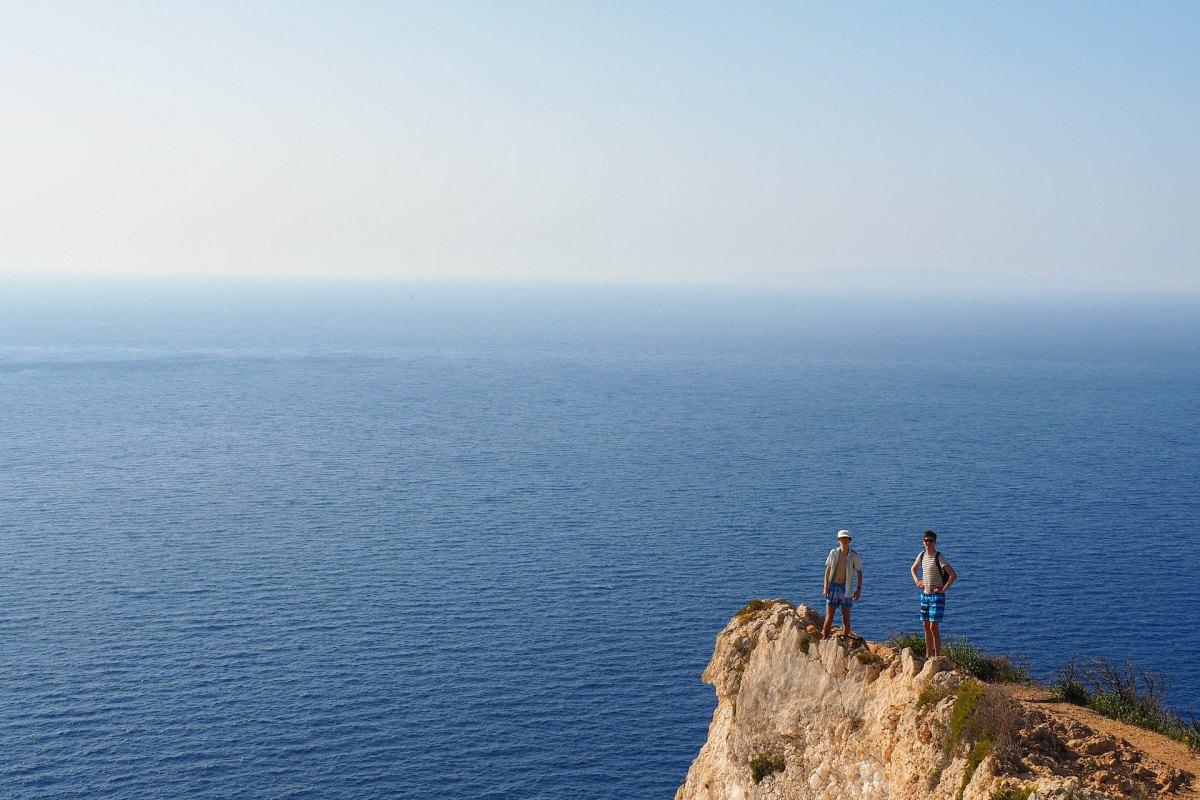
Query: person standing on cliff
column 843, row 583
column 933, row 575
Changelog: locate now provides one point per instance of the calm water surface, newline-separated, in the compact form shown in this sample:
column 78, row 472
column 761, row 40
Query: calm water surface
column 448, row 547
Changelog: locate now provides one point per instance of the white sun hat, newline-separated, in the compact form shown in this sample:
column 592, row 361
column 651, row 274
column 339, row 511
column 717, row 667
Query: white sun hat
column 844, row 534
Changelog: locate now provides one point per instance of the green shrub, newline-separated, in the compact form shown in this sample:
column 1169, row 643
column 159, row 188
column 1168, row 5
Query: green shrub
column 987, row 667
column 753, row 607
column 765, row 764
column 979, row 751
column 867, row 657
column 1006, row 671
column 1189, row 734
column 1069, row 687
column 965, row 656
column 981, row 713
column 962, row 715
column 1011, row 793
column 1134, row 710
column 903, row 639
column 1127, row 692
column 931, row 696
column 982, row 718
column 1072, row 692
column 969, row 659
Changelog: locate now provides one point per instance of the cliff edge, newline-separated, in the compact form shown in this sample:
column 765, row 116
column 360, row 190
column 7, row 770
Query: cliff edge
column 803, row 717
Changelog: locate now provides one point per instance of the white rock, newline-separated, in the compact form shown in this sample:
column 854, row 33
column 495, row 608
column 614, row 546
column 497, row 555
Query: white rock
column 844, row 737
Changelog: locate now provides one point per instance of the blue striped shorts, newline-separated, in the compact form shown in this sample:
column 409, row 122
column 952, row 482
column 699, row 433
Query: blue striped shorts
column 838, row 597
column 933, row 606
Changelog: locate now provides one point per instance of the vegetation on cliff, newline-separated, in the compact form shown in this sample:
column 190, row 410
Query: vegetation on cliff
column 981, row 719
column 969, row 659
column 800, row 716
column 1011, row 793
column 765, row 764
column 1124, row 691
column 1128, row 692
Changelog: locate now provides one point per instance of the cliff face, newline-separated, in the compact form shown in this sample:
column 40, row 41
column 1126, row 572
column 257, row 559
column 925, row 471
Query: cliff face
column 802, row 717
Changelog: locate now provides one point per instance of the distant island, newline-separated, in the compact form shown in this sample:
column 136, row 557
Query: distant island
column 800, row 716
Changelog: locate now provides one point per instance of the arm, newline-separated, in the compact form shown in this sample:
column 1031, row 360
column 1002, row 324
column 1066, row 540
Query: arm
column 858, row 591
column 953, row 576
column 825, row 585
column 916, row 578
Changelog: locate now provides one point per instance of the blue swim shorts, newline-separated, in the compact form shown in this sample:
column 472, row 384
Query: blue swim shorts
column 933, row 607
column 838, row 597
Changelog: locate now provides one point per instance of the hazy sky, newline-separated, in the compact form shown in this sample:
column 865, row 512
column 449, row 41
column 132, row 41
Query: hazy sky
column 1017, row 145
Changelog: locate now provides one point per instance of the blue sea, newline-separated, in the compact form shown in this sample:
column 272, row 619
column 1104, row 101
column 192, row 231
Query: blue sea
column 475, row 541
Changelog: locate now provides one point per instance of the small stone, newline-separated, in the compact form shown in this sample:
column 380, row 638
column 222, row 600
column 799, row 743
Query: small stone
column 1098, row 746
column 1170, row 780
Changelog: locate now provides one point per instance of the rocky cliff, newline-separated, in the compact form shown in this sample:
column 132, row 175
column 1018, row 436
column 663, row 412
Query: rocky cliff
column 802, row 717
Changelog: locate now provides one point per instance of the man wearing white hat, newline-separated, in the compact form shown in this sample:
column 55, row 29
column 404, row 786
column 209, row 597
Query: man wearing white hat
column 843, row 582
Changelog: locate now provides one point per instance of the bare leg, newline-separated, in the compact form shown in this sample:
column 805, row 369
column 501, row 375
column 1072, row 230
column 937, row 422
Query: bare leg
column 846, row 621
column 928, row 639
column 937, row 638
column 825, row 631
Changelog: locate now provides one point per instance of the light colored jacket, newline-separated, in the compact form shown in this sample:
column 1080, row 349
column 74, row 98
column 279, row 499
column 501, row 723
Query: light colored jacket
column 853, row 568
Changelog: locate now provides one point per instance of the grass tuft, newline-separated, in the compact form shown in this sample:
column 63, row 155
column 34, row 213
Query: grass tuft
column 969, row 659
column 765, row 764
column 899, row 641
column 982, row 718
column 981, row 713
column 867, row 657
column 979, row 751
column 962, row 715
column 1011, row 793
column 931, row 696
column 753, row 607
column 987, row 667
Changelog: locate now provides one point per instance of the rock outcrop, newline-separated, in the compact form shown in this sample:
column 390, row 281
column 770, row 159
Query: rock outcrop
column 803, row 717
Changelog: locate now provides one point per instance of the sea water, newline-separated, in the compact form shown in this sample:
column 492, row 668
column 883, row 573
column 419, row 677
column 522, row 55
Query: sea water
column 476, row 542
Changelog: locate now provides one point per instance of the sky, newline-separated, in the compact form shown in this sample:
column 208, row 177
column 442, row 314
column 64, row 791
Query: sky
column 978, row 147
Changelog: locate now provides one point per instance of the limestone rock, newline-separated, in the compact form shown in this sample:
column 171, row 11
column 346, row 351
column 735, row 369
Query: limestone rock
column 814, row 719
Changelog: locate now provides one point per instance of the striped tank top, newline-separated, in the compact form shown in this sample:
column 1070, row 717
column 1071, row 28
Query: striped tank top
column 931, row 576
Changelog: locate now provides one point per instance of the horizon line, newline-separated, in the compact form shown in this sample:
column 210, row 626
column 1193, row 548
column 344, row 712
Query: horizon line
column 1006, row 289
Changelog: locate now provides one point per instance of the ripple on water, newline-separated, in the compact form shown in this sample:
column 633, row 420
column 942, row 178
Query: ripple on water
column 447, row 575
